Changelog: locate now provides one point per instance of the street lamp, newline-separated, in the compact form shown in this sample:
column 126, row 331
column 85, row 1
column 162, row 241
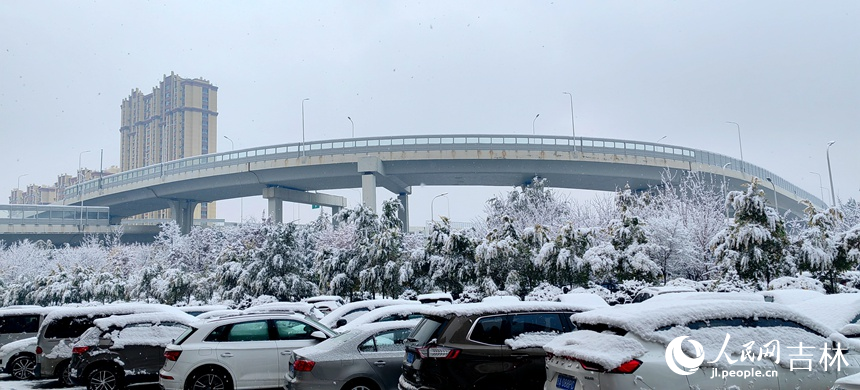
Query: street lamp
column 80, row 187
column 241, row 200
column 572, row 123
column 533, row 123
column 303, row 124
column 432, row 214
column 353, row 126
column 740, row 145
column 662, row 138
column 830, row 173
column 19, row 188
column 820, row 186
column 724, row 188
column 775, row 200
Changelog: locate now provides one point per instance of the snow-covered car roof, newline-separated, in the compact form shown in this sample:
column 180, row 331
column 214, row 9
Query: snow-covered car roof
column 607, row 350
column 501, row 298
column 586, row 299
column 835, row 310
column 644, row 319
column 435, row 296
column 656, row 290
column 112, row 309
column 376, row 314
column 286, row 307
column 331, row 318
column 731, row 296
column 24, row 310
column 323, row 298
column 141, row 318
column 202, row 308
column 219, row 313
column 790, row 296
column 481, row 308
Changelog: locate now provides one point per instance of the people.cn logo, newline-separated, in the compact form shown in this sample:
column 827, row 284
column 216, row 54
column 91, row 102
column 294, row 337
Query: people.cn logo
column 678, row 361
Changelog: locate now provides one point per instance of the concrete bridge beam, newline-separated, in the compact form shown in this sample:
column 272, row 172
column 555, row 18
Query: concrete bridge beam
column 277, row 195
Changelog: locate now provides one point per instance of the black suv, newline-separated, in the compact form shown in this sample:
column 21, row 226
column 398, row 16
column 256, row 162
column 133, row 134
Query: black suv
column 470, row 345
column 124, row 350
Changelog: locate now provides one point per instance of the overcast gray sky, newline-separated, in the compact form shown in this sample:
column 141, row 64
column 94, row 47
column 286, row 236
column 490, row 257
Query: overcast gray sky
column 786, row 71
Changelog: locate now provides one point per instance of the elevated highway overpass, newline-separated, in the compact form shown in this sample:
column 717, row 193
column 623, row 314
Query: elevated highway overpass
column 297, row 172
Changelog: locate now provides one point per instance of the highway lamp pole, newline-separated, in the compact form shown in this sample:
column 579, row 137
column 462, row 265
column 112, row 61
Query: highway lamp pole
column 80, row 187
column 820, row 185
column 662, row 138
column 303, row 124
column 775, row 200
column 353, row 126
column 572, row 123
column 830, row 173
column 18, row 198
column 740, row 145
column 533, row 124
column 432, row 213
column 725, row 189
column 241, row 200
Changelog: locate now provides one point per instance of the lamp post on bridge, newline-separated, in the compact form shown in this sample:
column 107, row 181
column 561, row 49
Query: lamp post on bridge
column 830, row 173
column 572, row 123
column 725, row 189
column 820, row 186
column 18, row 188
column 353, row 126
column 303, row 125
column 740, row 145
column 533, row 124
column 80, row 187
column 241, row 200
column 775, row 200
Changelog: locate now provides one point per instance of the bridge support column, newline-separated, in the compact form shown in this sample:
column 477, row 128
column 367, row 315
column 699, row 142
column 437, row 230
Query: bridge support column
column 276, row 210
column 183, row 214
column 403, row 213
column 368, row 191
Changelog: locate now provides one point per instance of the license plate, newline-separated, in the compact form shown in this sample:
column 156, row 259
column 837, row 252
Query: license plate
column 410, row 357
column 565, row 382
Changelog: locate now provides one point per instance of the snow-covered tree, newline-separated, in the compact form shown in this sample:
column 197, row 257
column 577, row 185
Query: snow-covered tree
column 754, row 245
column 451, row 257
column 815, row 248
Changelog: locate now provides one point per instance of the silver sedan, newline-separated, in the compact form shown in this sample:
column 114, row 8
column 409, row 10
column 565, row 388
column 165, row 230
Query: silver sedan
column 367, row 357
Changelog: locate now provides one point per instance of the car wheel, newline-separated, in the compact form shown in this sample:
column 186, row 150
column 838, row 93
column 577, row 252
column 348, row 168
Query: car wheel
column 360, row 384
column 64, row 375
column 22, row 367
column 104, row 378
column 209, row 378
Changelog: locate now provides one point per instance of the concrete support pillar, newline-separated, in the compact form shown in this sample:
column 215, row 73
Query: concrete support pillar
column 368, row 191
column 276, row 210
column 403, row 213
column 334, row 211
column 115, row 220
column 183, row 214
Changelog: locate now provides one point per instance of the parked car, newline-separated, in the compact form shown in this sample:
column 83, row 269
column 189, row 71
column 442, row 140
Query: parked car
column 388, row 313
column 18, row 358
column 474, row 345
column 219, row 313
column 238, row 352
column 62, row 326
column 435, row 298
column 851, row 382
column 651, row 292
column 648, row 345
column 20, row 322
column 197, row 310
column 789, row 296
column 838, row 311
column 342, row 315
column 119, row 351
column 366, row 357
column 326, row 303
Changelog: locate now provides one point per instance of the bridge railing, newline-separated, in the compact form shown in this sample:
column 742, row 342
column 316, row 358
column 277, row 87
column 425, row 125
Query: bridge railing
column 435, row 143
column 29, row 214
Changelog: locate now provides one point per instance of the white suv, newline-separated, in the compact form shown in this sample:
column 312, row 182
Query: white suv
column 240, row 352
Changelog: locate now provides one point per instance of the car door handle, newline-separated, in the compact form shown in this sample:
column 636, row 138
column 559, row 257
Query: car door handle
column 287, row 352
column 226, row 354
column 519, row 355
column 379, row 363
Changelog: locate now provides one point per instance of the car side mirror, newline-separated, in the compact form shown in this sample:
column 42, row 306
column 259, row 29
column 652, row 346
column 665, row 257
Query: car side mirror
column 319, row 335
column 105, row 343
column 340, row 322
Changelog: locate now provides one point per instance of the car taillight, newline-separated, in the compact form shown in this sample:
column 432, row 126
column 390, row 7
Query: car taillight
column 303, row 365
column 77, row 350
column 172, row 355
column 628, row 368
column 438, row 353
column 38, row 350
column 589, row 366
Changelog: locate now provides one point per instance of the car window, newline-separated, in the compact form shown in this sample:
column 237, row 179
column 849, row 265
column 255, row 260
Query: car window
column 388, row 341
column 353, row 314
column 492, row 330
column 293, row 330
column 426, row 330
column 69, row 327
column 19, row 324
column 535, row 322
column 249, row 331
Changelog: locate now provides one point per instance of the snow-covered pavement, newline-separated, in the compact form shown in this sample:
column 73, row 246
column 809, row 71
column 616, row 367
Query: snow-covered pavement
column 7, row 383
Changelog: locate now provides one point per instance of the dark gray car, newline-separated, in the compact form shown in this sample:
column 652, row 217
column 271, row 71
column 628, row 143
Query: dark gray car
column 125, row 350
column 367, row 357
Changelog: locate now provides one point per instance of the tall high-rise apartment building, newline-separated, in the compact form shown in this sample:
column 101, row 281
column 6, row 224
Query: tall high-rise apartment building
column 178, row 119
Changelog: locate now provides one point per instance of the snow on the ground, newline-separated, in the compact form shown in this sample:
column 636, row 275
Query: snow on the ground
column 8, row 383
